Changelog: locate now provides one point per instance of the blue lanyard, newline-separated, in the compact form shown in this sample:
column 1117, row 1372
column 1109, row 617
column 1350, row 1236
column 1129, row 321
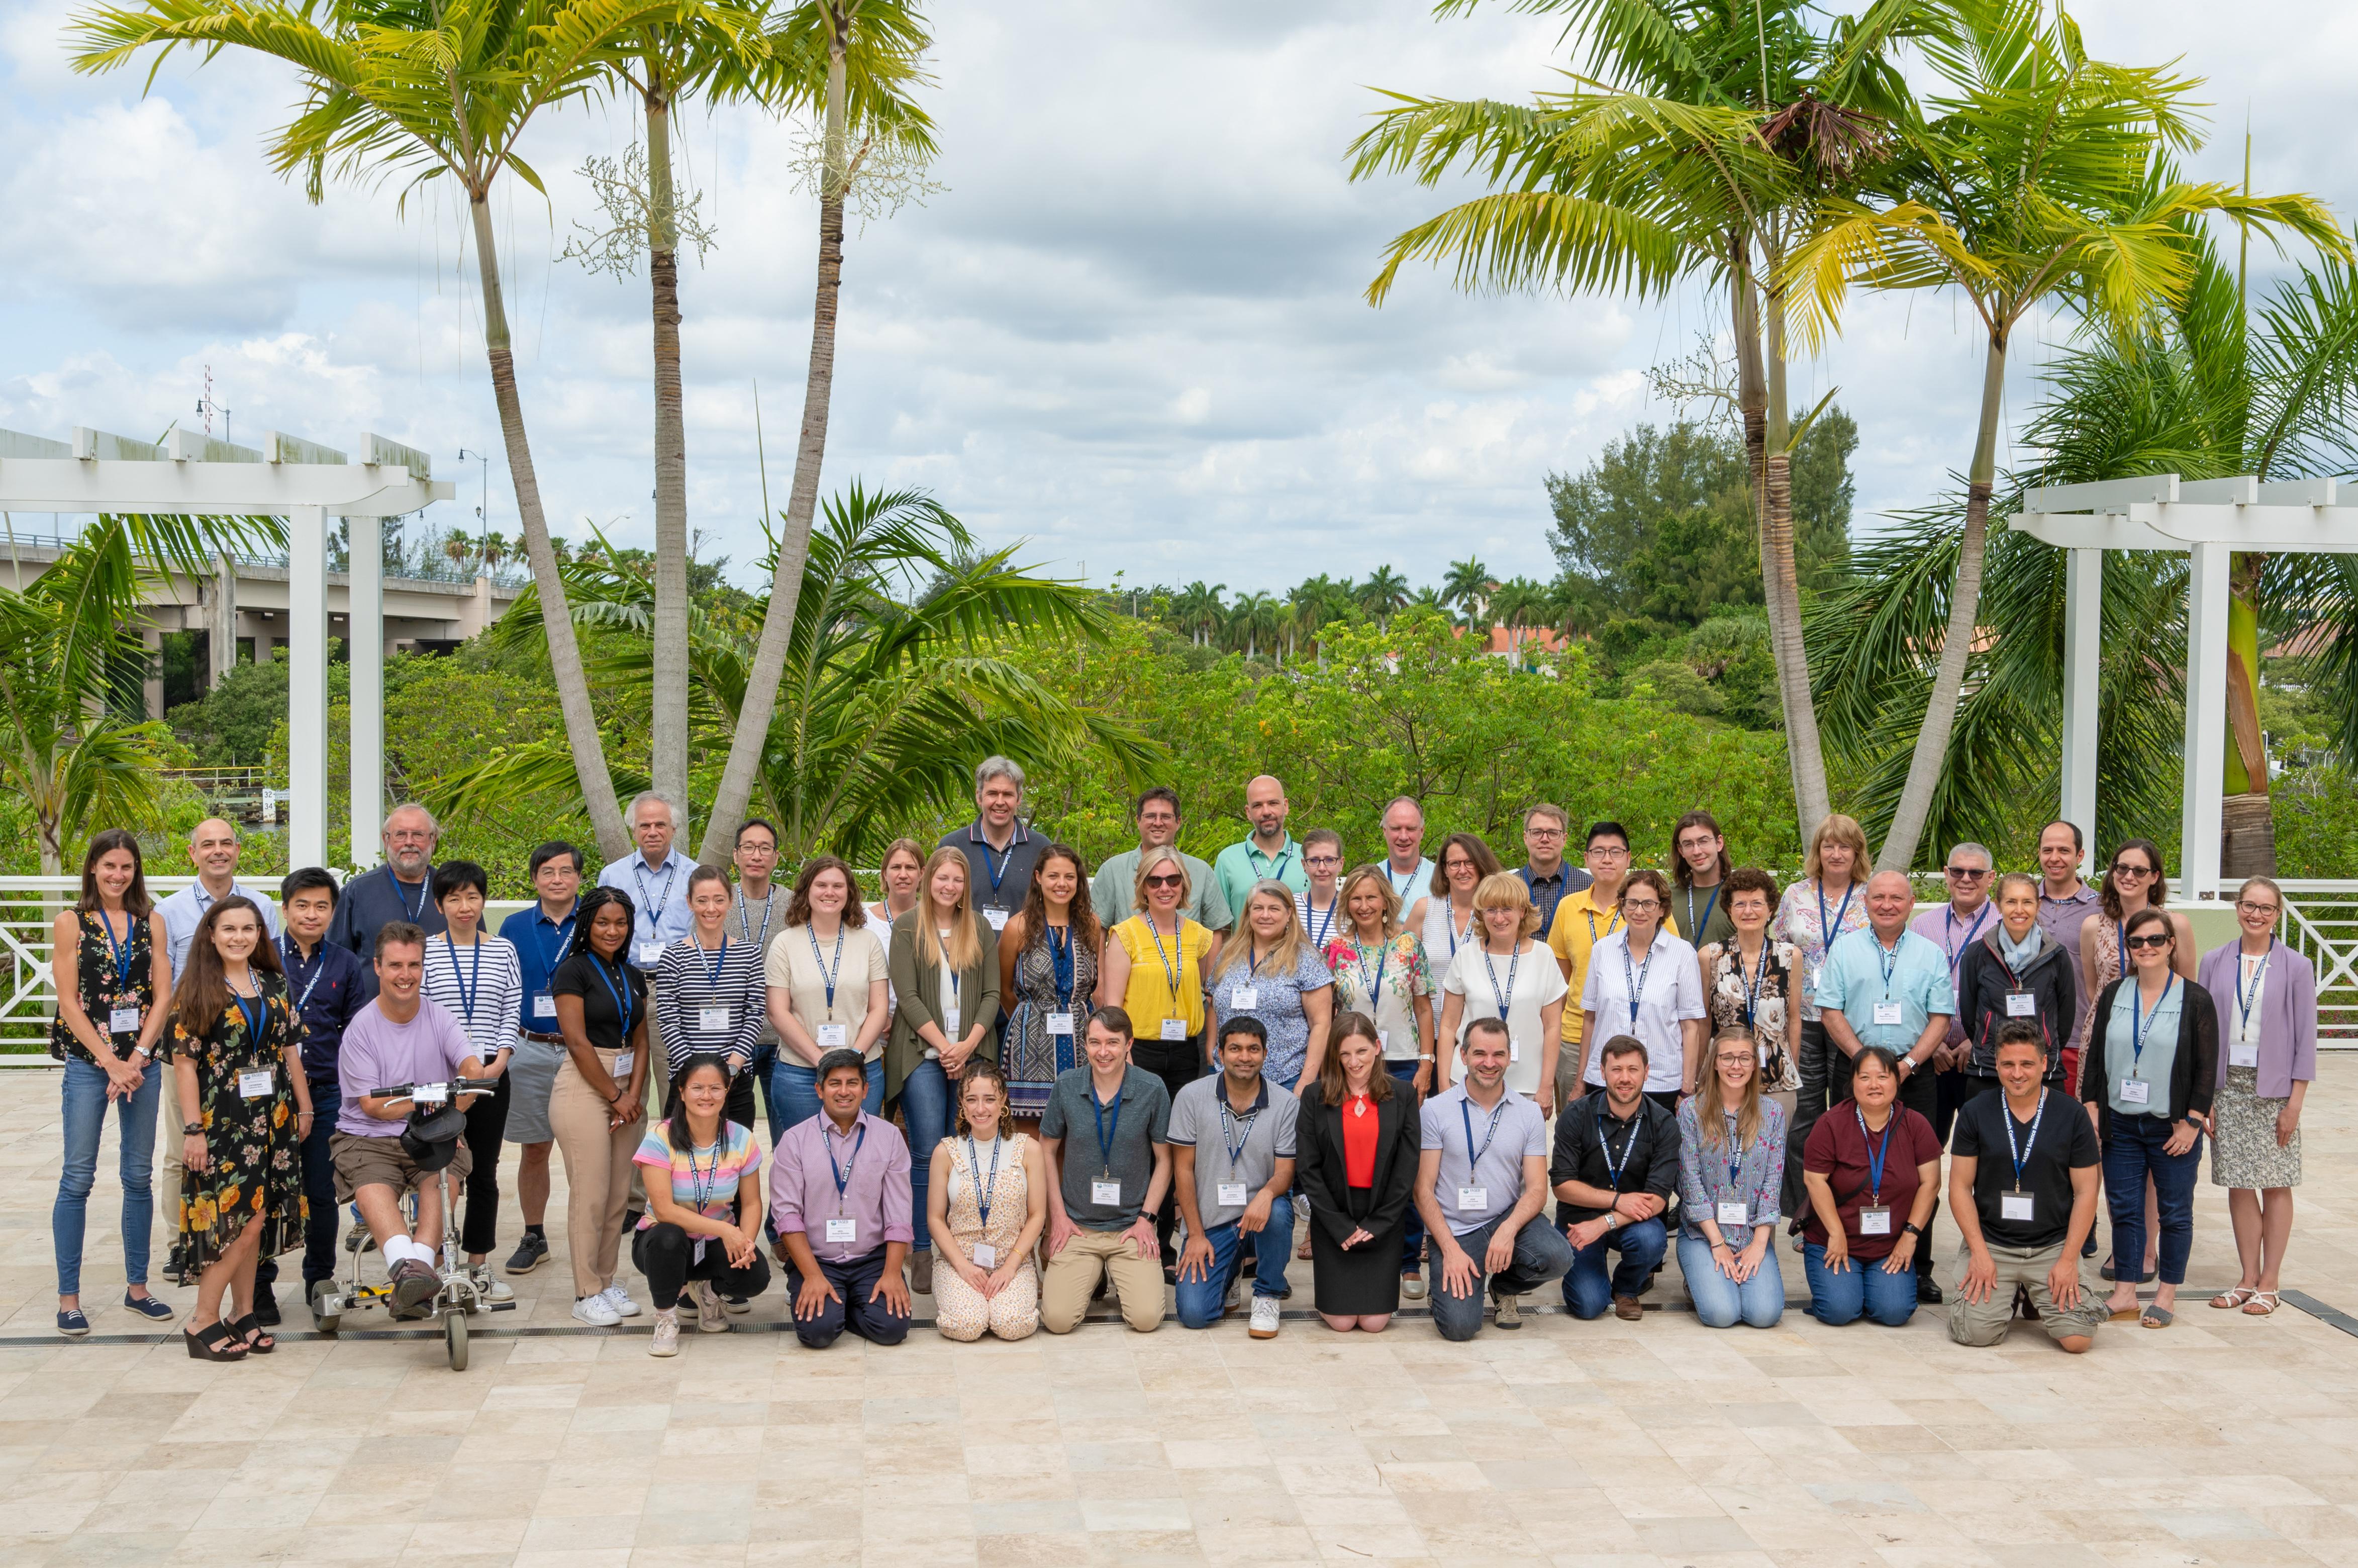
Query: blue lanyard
column 1318, row 937
column 842, row 1173
column 1948, row 927
column 471, row 987
column 294, row 970
column 1474, row 1155
column 252, row 1009
column 1889, row 959
column 1753, row 982
column 1449, row 925
column 827, row 976
column 1827, row 932
column 1276, row 871
column 548, row 961
column 1400, row 885
column 639, row 874
column 2244, row 999
column 2138, row 1032
column 1547, row 915
column 122, row 951
column 627, row 1016
column 1375, row 987
column 1227, row 1119
column 745, row 924
column 713, row 980
column 1736, row 1151
column 982, row 1189
column 1613, row 923
column 2020, row 1156
column 1504, row 999
column 1106, row 1135
column 402, row 898
column 1634, row 977
column 1000, row 871
column 1709, row 904
column 1060, row 970
column 701, row 1182
column 1876, row 1152
column 1605, row 1145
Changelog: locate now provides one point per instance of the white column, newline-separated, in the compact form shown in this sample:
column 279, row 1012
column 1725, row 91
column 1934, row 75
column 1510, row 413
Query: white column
column 364, row 647
column 2206, row 716
column 2083, row 620
column 306, row 686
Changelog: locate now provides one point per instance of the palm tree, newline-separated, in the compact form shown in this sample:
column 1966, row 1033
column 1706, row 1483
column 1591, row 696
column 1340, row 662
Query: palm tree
column 2043, row 178
column 880, row 673
column 1384, row 594
column 1466, row 587
column 1253, row 617
column 864, row 55
column 1198, row 612
column 429, row 89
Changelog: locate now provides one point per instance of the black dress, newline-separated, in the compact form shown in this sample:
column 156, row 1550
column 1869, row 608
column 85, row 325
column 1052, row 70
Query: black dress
column 1365, row 1279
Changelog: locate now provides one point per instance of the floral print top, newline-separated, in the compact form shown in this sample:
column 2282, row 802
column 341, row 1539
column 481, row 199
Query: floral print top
column 110, row 972
column 1383, row 980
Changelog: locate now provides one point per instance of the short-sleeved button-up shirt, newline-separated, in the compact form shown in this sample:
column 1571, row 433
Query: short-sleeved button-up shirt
column 1862, row 976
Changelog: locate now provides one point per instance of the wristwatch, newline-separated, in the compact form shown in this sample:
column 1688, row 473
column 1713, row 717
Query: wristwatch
column 192, row 1129
column 1915, row 1230
column 1612, row 1220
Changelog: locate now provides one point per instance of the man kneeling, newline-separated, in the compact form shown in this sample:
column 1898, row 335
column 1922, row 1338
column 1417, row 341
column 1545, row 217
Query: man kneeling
column 1106, row 1136
column 839, row 1202
column 399, row 1038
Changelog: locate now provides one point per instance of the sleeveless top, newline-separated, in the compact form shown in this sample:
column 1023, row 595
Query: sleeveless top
column 1011, row 1196
column 104, row 987
column 1439, row 929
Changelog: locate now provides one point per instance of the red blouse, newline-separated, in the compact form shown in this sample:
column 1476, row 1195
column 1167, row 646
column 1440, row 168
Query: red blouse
column 1359, row 1119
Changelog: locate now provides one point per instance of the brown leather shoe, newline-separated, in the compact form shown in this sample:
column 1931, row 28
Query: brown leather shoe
column 1627, row 1309
column 921, row 1272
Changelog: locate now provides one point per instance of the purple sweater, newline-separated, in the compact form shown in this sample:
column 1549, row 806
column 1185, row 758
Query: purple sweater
column 2288, row 1015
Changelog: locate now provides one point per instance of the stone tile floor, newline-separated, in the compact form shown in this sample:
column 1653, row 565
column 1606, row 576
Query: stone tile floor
column 2224, row 1439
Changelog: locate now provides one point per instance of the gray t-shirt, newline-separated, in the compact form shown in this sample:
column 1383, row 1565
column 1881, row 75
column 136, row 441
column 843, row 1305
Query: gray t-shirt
column 753, row 924
column 1522, row 1132
column 1202, row 1118
column 1132, row 1129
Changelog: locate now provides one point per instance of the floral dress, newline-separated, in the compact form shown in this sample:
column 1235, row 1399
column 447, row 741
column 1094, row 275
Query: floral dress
column 105, row 985
column 1730, row 991
column 1802, row 917
column 255, row 1172
column 1034, row 1056
column 1394, row 971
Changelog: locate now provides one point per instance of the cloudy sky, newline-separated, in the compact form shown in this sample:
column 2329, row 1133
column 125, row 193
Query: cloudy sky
column 1129, row 331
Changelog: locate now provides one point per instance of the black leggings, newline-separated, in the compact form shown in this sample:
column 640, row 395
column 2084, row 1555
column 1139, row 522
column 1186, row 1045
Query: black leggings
column 666, row 1254
column 487, row 1125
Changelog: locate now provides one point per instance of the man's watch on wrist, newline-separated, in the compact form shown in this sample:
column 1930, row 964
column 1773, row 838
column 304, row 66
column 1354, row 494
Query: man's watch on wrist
column 192, row 1129
column 1915, row 1230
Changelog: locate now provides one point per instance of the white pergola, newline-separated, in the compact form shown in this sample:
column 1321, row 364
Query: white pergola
column 2210, row 520
column 307, row 483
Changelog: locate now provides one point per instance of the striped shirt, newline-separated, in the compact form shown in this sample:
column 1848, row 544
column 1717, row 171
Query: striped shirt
column 486, row 976
column 710, row 999
column 704, row 1181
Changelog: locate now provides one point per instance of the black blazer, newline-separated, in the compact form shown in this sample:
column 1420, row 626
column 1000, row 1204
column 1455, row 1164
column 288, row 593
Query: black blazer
column 1318, row 1153
column 2193, row 1072
column 1982, row 983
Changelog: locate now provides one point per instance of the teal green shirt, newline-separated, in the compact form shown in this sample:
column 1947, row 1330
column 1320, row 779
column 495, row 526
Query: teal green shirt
column 2151, row 1068
column 1241, row 865
column 1111, row 891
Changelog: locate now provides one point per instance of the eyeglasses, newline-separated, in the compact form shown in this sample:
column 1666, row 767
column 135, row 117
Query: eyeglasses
column 1641, row 905
column 1609, row 851
column 2246, row 906
column 1968, row 873
column 2130, row 869
column 1323, row 860
column 1167, row 880
column 1729, row 1058
column 1543, row 832
column 2159, row 939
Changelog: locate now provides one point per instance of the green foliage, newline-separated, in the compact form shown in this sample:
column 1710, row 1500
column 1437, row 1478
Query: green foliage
column 232, row 724
column 2316, row 813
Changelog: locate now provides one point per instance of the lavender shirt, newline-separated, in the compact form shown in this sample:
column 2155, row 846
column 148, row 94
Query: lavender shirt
column 379, row 1054
column 875, row 1196
column 1953, row 934
column 2288, row 1015
column 2061, row 918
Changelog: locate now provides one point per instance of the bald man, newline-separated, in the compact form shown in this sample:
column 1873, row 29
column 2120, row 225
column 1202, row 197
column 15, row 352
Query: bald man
column 1268, row 854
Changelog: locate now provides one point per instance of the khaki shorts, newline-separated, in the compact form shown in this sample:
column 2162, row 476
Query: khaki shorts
column 381, row 1162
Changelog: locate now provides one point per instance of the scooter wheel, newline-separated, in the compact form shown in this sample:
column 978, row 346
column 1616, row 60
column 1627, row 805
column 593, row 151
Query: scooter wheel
column 454, row 1336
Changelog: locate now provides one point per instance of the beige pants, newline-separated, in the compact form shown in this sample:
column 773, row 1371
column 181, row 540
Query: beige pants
column 597, row 1174
column 1986, row 1323
column 658, row 1092
column 1072, row 1278
column 961, row 1312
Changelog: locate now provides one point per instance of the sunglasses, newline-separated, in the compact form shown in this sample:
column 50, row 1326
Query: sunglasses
column 1172, row 881
column 1967, row 873
column 2158, row 939
column 2127, row 868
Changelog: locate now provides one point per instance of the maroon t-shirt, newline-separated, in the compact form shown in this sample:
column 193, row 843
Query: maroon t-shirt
column 1838, row 1149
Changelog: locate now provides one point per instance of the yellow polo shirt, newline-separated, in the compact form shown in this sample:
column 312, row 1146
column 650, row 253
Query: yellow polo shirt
column 1580, row 924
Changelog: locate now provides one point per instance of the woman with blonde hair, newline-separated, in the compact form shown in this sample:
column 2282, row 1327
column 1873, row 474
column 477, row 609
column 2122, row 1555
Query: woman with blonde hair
column 945, row 969
column 1829, row 900
column 1505, row 974
column 1731, row 1182
column 988, row 1202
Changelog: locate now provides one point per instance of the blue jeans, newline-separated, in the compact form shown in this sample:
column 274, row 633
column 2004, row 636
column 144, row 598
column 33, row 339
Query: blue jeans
column 2133, row 1150
column 84, row 1114
column 1719, row 1301
column 320, row 1189
column 925, row 1107
column 854, row 1282
column 1541, row 1254
column 1863, row 1287
column 1586, row 1289
column 1413, row 1243
column 1200, row 1300
column 795, row 1089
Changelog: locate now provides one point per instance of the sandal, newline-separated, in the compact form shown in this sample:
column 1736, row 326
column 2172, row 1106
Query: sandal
column 2155, row 1318
column 2122, row 1314
column 1301, row 1253
column 2262, row 1303
column 2228, row 1301
column 212, row 1344
column 251, row 1331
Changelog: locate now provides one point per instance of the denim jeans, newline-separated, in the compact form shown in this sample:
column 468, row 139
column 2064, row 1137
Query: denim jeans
column 925, row 1107
column 1587, row 1290
column 84, row 1114
column 1541, row 1254
column 1862, row 1288
column 793, row 1088
column 2133, row 1150
column 1413, row 1243
column 1720, row 1301
column 320, row 1192
column 1200, row 1300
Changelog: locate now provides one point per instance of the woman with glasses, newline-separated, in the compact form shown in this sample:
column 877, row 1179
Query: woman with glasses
column 1731, row 1179
column 1442, row 918
column 2148, row 1077
column 1829, row 900
column 1504, row 973
column 1644, row 981
column 1748, row 979
column 2265, row 995
column 1319, row 906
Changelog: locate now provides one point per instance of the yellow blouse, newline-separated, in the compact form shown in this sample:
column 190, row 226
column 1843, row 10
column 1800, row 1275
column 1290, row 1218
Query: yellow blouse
column 1150, row 998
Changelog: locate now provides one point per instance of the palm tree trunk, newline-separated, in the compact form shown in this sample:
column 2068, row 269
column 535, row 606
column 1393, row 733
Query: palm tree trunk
column 667, row 718
column 564, row 648
column 1782, row 587
column 751, row 736
column 1931, row 751
column 2248, row 844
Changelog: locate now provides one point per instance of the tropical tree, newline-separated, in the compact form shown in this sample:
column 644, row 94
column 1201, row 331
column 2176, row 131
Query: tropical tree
column 1466, row 586
column 865, row 57
column 897, row 685
column 1383, row 595
column 1254, row 619
column 424, row 89
column 1198, row 612
column 2040, row 180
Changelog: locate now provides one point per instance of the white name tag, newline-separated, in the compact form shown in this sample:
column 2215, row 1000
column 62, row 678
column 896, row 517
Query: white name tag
column 1234, row 1194
column 2136, row 1091
column 1175, row 1028
column 647, row 955
column 1874, row 1222
column 430, row 1093
column 832, row 1036
column 949, row 1023
column 984, row 1255
column 623, row 1060
column 998, row 918
column 2243, row 1054
column 2021, row 1005
column 696, row 1254
column 1244, row 999
column 2014, row 1205
column 544, row 1005
column 123, row 1021
column 1733, row 1214
column 712, row 1020
column 257, row 1083
column 1887, row 1012
column 1107, row 1192
column 1060, row 1023
column 1384, row 1041
column 1471, row 1198
column 841, row 1232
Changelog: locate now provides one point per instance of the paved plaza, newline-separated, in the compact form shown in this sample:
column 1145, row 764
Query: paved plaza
column 2223, row 1440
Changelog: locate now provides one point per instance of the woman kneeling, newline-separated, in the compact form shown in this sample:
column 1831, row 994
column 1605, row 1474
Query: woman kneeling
column 702, row 1228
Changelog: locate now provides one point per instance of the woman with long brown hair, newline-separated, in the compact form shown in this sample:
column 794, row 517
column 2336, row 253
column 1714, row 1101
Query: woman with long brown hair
column 113, row 1001
column 1048, row 972
column 987, row 1204
column 825, row 974
column 1443, row 918
column 1357, row 1139
column 945, row 969
column 236, row 1046
column 1731, row 1181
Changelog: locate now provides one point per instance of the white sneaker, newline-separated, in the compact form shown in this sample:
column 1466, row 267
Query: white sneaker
column 620, row 1299
column 667, row 1339
column 596, row 1311
column 490, row 1287
column 709, row 1316
column 1264, row 1318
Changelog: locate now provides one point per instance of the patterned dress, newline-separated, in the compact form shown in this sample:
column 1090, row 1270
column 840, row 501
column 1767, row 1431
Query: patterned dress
column 1034, row 1056
column 255, row 1173
column 1729, row 987
column 960, row 1312
column 1382, row 982
column 104, row 987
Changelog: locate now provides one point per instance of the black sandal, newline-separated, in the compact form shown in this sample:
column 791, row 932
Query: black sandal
column 212, row 1344
column 250, row 1330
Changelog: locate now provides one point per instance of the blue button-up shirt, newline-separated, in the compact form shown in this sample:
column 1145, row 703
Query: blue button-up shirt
column 184, row 911
column 660, row 896
column 326, row 990
column 541, row 945
column 1861, row 972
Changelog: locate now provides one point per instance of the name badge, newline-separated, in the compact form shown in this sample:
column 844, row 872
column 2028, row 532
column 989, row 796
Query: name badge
column 647, row 955
column 257, row 1083
column 1244, row 999
column 840, row 1232
column 1874, row 1222
column 1175, row 1028
column 1514, row 1048
column 544, row 1005
column 623, row 1060
column 983, row 1254
column 430, row 1093
column 1384, row 1041
column 1733, row 1214
column 2243, row 1052
column 949, row 1023
column 1473, row 1198
column 2136, row 1091
column 125, row 1021
column 1887, row 1012
column 2021, row 1005
column 998, row 918
column 1106, row 1192
column 832, row 1036
column 696, row 1254
column 1234, row 1194
column 1060, row 1023
column 2014, row 1205
column 712, row 1020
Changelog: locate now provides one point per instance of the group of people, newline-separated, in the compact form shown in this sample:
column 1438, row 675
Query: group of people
column 1012, row 1086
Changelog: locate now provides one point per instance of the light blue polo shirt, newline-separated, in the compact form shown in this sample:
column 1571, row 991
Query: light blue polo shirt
column 1861, row 974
